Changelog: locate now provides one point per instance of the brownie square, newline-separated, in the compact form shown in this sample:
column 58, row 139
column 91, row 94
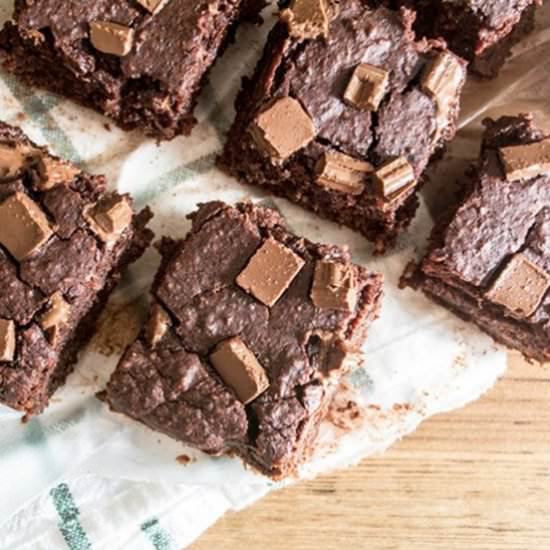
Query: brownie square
column 489, row 259
column 64, row 242
column 250, row 330
column 140, row 62
column 479, row 31
column 343, row 113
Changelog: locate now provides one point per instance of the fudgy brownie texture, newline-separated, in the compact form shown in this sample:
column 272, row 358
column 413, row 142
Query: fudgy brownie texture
column 64, row 243
column 251, row 328
column 481, row 32
column 343, row 114
column 140, row 62
column 489, row 259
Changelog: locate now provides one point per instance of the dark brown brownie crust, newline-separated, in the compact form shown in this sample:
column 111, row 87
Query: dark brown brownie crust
column 73, row 264
column 172, row 386
column 155, row 86
column 316, row 73
column 493, row 221
column 479, row 31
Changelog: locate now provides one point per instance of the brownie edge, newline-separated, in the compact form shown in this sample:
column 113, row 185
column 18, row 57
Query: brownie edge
column 250, row 330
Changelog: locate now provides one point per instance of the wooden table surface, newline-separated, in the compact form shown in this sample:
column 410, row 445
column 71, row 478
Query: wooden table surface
column 475, row 479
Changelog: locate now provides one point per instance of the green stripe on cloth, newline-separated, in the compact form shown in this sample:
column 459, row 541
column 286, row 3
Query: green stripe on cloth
column 39, row 111
column 175, row 177
column 159, row 537
column 69, row 524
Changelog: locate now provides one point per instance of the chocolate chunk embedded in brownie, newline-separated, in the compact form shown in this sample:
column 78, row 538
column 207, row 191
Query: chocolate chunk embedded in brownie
column 140, row 62
column 481, row 32
column 64, row 242
column 489, row 260
column 250, row 329
column 343, row 113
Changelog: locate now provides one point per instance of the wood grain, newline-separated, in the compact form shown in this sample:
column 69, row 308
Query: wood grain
column 476, row 479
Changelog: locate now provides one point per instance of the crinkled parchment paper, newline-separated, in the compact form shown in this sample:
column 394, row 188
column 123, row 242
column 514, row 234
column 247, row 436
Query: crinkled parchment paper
column 420, row 360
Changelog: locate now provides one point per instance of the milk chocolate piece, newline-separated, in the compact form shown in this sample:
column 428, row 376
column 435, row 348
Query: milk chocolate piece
column 283, row 128
column 153, row 6
column 526, row 161
column 157, row 325
column 270, row 272
column 443, row 76
column 239, row 369
column 343, row 173
column 24, row 227
column 111, row 38
column 334, row 286
column 332, row 354
column 394, row 177
column 7, row 340
column 13, row 159
column 306, row 19
column 520, row 286
column 110, row 217
column 55, row 317
column 53, row 172
column 367, row 87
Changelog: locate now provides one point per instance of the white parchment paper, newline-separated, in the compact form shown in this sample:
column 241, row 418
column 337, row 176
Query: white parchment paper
column 420, row 360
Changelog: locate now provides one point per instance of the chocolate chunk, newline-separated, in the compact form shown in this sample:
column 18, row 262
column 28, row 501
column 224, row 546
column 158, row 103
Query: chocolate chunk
column 55, row 317
column 239, row 369
column 526, row 161
column 334, row 286
column 367, row 87
column 282, row 129
column 53, row 172
column 442, row 79
column 331, row 354
column 306, row 19
column 343, row 173
column 520, row 286
column 394, row 177
column 110, row 217
column 24, row 227
column 13, row 159
column 153, row 6
column 157, row 325
column 111, row 38
column 7, row 340
column 443, row 76
column 270, row 272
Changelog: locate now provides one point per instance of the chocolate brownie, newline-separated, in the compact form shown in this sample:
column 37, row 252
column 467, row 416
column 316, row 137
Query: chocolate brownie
column 64, row 243
column 140, row 62
column 489, row 260
column 481, row 32
column 250, row 329
column 343, row 114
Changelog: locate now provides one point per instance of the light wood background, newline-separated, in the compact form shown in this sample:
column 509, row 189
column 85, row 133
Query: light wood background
column 475, row 479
